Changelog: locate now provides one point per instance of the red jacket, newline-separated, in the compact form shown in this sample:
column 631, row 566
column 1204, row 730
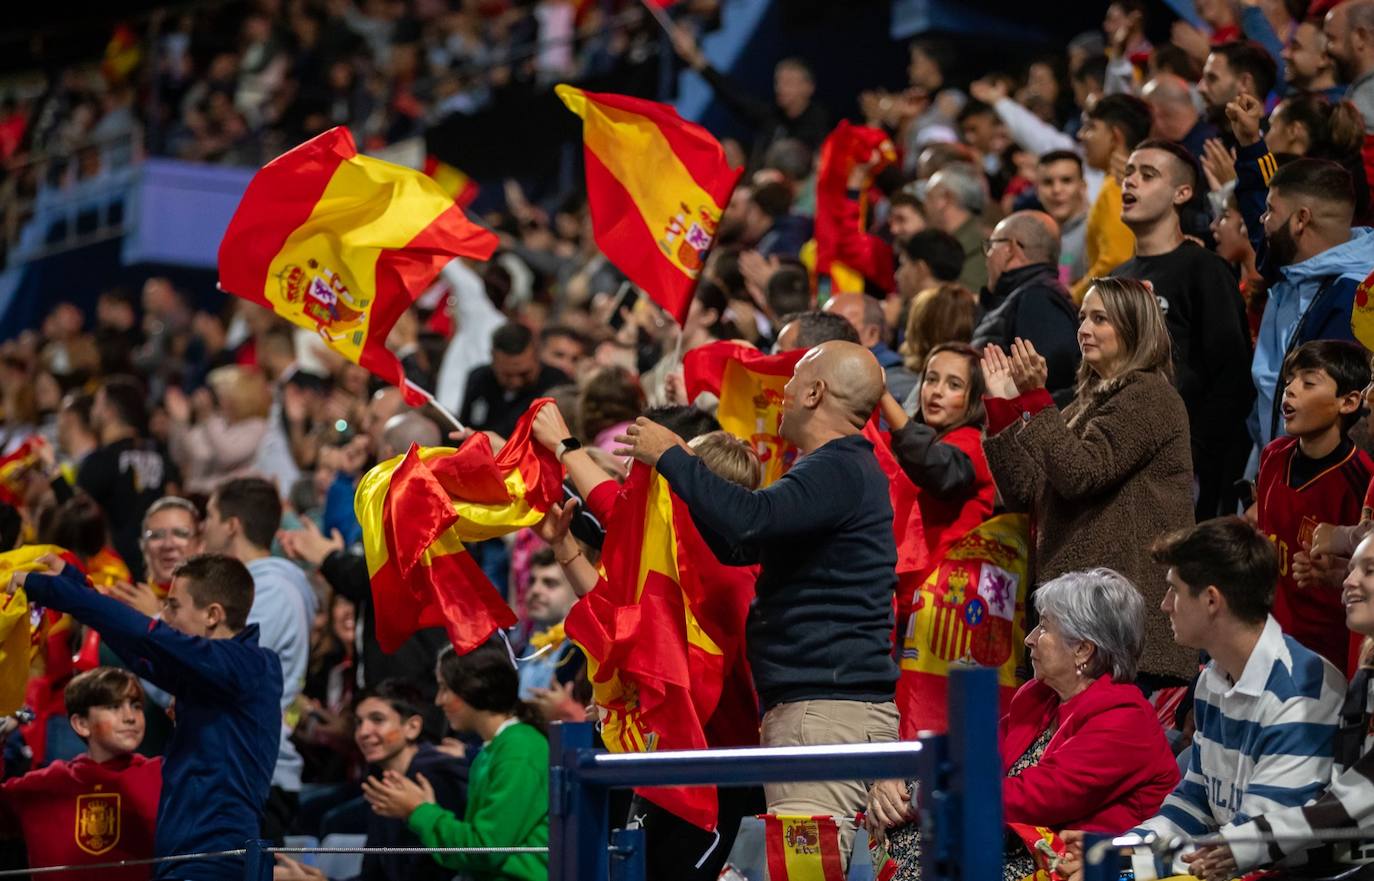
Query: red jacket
column 1081, row 781
column 83, row 812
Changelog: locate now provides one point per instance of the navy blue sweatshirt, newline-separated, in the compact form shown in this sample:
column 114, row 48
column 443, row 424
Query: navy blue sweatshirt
column 449, row 777
column 218, row 767
column 820, row 625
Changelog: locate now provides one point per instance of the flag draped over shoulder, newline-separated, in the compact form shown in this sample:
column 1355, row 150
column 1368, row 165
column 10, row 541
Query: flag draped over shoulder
column 907, row 527
column 419, row 510
column 663, row 637
column 970, row 611
column 656, row 187
column 342, row 244
column 844, row 250
column 749, row 385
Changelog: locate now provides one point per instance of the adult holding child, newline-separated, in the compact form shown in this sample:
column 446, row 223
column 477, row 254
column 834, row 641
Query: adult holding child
column 1110, row 472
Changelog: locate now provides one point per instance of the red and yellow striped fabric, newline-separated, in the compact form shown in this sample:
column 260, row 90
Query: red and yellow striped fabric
column 749, row 385
column 1362, row 315
column 662, row 633
column 457, row 184
column 15, row 468
column 342, row 244
column 656, row 187
column 418, row 511
column 802, row 848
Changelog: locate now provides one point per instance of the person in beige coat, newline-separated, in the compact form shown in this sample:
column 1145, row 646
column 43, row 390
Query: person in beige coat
column 1112, row 471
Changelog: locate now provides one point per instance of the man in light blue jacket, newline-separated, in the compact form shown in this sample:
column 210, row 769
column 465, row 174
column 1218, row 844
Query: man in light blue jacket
column 1298, row 218
column 241, row 519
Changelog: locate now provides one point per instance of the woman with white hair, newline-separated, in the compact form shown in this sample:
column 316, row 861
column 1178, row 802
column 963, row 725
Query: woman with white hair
column 1066, row 730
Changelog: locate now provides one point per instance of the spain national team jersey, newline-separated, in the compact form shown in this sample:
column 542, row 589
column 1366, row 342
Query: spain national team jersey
column 1288, row 515
column 83, row 812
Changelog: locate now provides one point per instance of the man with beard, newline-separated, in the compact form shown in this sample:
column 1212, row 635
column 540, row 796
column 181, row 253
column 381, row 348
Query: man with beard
column 1307, row 64
column 1299, row 220
column 1349, row 32
column 1204, row 313
column 1233, row 69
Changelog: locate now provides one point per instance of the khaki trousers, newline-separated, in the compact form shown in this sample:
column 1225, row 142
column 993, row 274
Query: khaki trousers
column 816, row 723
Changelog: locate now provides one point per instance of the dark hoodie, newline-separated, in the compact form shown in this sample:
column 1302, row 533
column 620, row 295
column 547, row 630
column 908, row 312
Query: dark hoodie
column 449, row 777
column 1030, row 302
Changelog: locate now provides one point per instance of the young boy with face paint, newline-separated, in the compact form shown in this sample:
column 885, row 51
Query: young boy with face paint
column 101, row 806
column 202, row 651
column 390, row 721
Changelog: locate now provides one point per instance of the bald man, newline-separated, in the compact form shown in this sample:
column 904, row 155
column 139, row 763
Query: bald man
column 1025, row 297
column 819, row 630
column 865, row 314
column 1176, row 117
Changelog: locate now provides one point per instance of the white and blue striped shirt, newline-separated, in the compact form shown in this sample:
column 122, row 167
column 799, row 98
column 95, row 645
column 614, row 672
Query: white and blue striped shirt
column 1263, row 742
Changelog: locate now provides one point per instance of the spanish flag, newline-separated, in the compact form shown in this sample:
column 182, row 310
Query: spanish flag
column 462, row 188
column 844, row 249
column 420, row 509
column 16, row 650
column 15, row 469
column 971, row 611
column 656, row 187
column 1045, row 846
column 803, row 848
column 749, row 385
column 663, row 637
column 1362, row 315
column 342, row 244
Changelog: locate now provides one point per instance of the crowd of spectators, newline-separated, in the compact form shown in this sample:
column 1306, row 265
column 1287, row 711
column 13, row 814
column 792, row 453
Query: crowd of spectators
column 1121, row 291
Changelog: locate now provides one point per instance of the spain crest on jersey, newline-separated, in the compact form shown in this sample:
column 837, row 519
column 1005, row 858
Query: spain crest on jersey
column 97, row 822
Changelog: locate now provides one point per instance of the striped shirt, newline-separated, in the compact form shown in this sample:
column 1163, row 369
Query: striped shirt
column 1262, row 743
column 1347, row 803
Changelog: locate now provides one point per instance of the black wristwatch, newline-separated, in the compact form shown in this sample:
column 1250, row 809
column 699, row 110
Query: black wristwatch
column 567, row 445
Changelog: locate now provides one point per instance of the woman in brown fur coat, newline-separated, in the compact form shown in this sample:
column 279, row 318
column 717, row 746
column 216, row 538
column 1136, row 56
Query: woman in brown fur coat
column 1111, row 472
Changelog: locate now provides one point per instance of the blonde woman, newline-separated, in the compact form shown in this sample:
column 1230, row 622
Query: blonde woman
column 224, row 442
column 1110, row 472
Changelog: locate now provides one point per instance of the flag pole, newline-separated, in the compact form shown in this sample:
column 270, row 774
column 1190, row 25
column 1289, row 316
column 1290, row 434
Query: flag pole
column 438, row 408
column 659, row 15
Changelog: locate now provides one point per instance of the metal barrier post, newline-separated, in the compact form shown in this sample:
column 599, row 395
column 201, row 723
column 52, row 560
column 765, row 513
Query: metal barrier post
column 627, row 855
column 578, row 825
column 257, row 862
column 975, row 778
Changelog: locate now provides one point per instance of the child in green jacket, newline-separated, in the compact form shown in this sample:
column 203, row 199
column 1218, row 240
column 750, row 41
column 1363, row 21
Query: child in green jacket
column 508, row 783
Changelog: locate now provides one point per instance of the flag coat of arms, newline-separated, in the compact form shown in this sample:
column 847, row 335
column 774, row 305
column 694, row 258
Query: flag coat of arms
column 341, row 244
column 749, row 385
column 419, row 510
column 656, row 188
column 971, row 611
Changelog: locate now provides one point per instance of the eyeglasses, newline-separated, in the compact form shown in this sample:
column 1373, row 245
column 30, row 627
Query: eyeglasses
column 989, row 244
column 153, row 535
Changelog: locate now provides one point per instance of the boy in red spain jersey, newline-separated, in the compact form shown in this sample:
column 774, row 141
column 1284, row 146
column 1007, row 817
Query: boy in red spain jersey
column 100, row 807
column 1314, row 474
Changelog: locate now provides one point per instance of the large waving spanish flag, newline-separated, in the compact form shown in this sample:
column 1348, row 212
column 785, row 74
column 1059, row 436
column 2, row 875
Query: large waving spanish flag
column 845, row 250
column 420, row 509
column 342, row 244
column 663, row 636
column 749, row 385
column 656, row 187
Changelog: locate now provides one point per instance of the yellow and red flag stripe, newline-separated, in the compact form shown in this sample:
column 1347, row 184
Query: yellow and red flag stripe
column 15, row 468
column 802, row 848
column 420, row 509
column 342, row 244
column 662, row 633
column 656, row 187
column 455, row 182
column 749, row 385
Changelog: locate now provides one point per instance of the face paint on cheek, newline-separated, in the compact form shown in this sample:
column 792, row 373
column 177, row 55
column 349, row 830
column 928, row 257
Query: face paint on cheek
column 391, row 738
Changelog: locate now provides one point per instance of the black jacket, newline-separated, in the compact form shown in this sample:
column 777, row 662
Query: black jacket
column 1032, row 303
column 449, row 777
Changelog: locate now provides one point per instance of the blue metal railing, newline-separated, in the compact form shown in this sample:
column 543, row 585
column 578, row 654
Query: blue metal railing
column 958, row 780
